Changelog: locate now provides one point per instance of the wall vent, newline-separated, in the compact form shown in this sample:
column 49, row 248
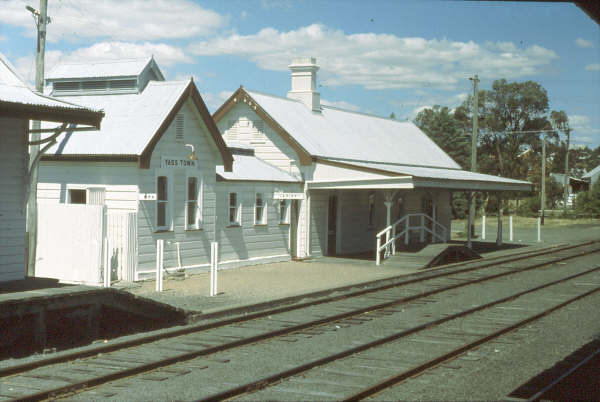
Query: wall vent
column 179, row 127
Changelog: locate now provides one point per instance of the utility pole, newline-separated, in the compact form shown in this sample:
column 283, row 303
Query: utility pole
column 567, row 180
column 41, row 19
column 475, row 80
column 543, row 195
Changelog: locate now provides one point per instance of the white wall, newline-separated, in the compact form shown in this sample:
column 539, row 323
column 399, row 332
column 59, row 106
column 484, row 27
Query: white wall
column 119, row 179
column 240, row 125
column 13, row 154
column 194, row 244
column 248, row 243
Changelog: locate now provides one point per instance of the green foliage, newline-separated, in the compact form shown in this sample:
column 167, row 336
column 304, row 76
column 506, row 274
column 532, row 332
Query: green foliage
column 440, row 124
column 587, row 203
column 529, row 206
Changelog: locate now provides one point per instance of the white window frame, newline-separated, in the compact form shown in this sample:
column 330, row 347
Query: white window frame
column 263, row 212
column 284, row 219
column 238, row 209
column 199, row 201
column 170, row 199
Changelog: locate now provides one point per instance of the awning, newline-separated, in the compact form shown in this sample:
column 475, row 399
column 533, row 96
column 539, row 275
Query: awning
column 386, row 183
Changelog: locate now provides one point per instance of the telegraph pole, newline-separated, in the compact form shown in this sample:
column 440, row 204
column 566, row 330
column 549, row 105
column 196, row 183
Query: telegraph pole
column 41, row 19
column 475, row 80
column 567, row 180
column 543, row 195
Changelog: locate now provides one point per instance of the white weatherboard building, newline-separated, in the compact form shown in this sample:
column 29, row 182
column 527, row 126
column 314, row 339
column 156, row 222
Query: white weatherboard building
column 360, row 172
column 18, row 105
column 274, row 179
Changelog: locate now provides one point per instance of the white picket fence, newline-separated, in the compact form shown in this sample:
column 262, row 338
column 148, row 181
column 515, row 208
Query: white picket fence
column 72, row 240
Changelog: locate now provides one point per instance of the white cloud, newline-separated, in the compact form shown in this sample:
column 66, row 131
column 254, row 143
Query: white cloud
column 593, row 67
column 341, row 104
column 165, row 55
column 583, row 132
column 584, row 43
column 116, row 19
column 381, row 61
column 416, row 111
column 424, row 100
column 214, row 100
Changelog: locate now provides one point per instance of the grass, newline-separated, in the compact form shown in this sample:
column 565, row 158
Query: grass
column 526, row 222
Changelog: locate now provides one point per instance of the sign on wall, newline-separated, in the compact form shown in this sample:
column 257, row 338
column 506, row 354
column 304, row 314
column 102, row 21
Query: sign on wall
column 176, row 162
column 280, row 195
column 147, row 196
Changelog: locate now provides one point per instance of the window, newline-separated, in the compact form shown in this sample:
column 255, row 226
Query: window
column 162, row 203
column 193, row 210
column 77, row 196
column 260, row 216
column 234, row 210
column 284, row 211
column 371, row 210
column 179, row 127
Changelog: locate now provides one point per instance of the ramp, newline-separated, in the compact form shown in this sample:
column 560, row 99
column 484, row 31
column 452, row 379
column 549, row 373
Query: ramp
column 434, row 255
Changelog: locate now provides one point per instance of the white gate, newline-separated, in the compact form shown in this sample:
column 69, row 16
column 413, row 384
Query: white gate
column 122, row 242
column 71, row 239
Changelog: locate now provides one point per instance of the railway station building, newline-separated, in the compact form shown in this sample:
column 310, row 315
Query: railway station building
column 269, row 178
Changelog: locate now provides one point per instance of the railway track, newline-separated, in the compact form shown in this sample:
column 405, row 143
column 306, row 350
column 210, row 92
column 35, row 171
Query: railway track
column 73, row 373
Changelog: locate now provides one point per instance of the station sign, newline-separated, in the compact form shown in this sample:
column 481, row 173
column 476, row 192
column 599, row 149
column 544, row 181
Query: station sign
column 175, row 162
column 147, row 197
column 280, row 195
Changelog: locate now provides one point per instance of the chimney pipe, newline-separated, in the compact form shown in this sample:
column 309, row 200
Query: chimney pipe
column 304, row 82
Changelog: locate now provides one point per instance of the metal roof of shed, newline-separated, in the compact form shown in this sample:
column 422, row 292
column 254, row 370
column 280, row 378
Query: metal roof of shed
column 591, row 173
column 251, row 168
column 18, row 100
column 102, row 69
column 337, row 133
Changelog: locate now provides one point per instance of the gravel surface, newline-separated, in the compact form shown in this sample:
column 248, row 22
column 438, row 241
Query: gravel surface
column 204, row 376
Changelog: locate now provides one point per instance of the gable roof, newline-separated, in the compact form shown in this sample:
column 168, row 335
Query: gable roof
column 102, row 69
column 18, row 100
column 591, row 173
column 135, row 123
column 338, row 133
column 251, row 168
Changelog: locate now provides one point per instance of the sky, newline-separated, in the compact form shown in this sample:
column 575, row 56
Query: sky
column 376, row 56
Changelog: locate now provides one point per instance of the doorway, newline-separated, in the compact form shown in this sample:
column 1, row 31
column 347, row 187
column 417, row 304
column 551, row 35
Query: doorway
column 332, row 226
column 294, row 214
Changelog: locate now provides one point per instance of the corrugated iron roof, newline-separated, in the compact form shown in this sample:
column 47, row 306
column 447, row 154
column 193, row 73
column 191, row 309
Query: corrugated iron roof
column 453, row 175
column 251, row 168
column 99, row 69
column 131, row 121
column 337, row 133
column 592, row 172
column 14, row 90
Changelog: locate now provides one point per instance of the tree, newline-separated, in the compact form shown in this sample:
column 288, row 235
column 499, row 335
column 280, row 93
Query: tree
column 393, row 115
column 449, row 133
column 510, row 115
column 440, row 124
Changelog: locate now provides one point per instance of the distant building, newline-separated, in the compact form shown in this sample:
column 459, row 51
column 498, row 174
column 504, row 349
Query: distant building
column 575, row 185
column 592, row 176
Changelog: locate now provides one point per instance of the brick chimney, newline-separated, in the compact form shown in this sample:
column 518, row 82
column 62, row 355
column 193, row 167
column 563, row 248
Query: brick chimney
column 304, row 82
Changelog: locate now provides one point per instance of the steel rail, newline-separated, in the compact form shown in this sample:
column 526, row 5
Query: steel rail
column 264, row 382
column 80, row 386
column 165, row 334
column 538, row 395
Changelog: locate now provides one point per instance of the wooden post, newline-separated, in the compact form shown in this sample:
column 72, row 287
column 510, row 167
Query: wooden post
column 469, row 245
column 214, row 251
column 499, row 235
column 483, row 227
column 510, row 228
column 41, row 20
column 159, row 264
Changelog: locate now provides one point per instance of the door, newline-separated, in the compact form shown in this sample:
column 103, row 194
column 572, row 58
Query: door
column 427, row 208
column 332, row 225
column 294, row 213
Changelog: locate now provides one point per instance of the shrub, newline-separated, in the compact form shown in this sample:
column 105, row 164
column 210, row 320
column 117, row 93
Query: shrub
column 587, row 203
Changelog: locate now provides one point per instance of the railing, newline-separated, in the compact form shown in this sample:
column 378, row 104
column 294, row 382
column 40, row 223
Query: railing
column 437, row 231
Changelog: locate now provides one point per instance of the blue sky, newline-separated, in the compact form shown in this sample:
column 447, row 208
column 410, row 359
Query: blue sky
column 378, row 56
